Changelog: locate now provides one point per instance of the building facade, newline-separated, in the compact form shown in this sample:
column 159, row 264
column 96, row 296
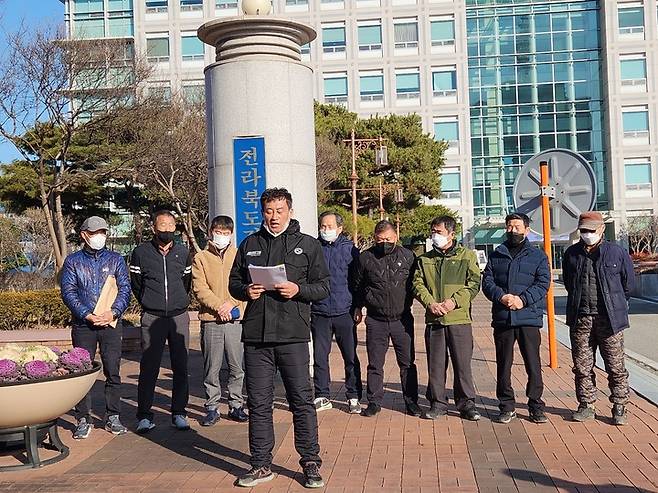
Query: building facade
column 499, row 80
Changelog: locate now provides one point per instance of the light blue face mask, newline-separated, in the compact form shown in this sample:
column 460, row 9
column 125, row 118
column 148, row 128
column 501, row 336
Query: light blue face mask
column 329, row 235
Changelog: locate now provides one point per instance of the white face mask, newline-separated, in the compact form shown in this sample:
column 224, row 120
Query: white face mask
column 439, row 241
column 329, row 235
column 97, row 242
column 590, row 238
column 222, row 241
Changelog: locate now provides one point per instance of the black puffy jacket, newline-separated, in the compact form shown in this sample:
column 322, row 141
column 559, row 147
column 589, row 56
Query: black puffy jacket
column 273, row 318
column 382, row 283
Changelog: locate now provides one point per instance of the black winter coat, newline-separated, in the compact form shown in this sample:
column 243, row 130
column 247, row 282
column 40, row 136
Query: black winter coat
column 382, row 283
column 273, row 318
column 614, row 272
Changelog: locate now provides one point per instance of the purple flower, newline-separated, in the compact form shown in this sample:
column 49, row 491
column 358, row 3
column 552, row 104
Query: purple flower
column 56, row 350
column 8, row 368
column 71, row 361
column 81, row 354
column 37, row 369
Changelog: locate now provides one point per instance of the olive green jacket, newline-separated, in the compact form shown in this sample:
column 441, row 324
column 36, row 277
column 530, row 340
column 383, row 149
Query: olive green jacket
column 442, row 275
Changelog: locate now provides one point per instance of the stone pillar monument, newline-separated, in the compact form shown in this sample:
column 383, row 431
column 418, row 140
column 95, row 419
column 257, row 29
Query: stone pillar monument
column 258, row 87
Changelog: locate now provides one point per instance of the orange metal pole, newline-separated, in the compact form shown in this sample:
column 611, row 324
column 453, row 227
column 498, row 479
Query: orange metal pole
column 550, row 298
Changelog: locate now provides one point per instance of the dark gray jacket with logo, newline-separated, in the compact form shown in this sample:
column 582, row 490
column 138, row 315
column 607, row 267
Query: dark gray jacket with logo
column 272, row 318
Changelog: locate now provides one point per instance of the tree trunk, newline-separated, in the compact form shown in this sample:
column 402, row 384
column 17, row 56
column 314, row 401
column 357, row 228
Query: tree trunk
column 59, row 259
column 61, row 231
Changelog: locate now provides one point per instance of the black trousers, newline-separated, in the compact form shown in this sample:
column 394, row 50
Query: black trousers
column 156, row 331
column 458, row 340
column 292, row 361
column 323, row 329
column 529, row 339
column 401, row 334
column 108, row 342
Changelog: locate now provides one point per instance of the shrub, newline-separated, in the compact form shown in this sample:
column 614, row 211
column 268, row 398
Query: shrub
column 32, row 309
column 45, row 309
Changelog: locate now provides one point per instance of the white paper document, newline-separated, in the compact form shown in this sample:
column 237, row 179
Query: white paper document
column 268, row 276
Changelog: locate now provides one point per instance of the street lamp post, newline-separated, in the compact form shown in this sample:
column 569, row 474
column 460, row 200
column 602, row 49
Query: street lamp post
column 359, row 145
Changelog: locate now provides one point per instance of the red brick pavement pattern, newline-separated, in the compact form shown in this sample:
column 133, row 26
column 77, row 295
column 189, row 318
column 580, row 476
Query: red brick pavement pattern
column 389, row 453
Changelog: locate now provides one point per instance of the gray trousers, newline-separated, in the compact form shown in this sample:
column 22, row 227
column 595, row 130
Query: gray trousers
column 219, row 341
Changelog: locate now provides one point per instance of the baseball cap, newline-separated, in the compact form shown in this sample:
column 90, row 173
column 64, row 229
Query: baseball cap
column 94, row 223
column 590, row 220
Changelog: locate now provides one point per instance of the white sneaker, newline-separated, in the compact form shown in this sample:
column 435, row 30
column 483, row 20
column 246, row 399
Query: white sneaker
column 322, row 404
column 355, row 406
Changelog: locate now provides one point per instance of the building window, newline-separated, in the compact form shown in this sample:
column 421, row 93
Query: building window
column 447, row 128
column 120, row 21
column 335, row 88
column 156, row 6
column 631, row 18
column 191, row 48
column 370, row 36
column 332, row 4
column 161, row 94
column 637, row 173
column 636, row 122
column 371, row 86
column 80, row 6
column 444, row 82
column 406, row 34
column 407, row 84
column 226, row 4
column 450, row 185
column 191, row 5
column 193, row 93
column 633, row 71
column 442, row 30
column 157, row 49
column 296, row 5
column 88, row 19
column 333, row 38
column 306, row 49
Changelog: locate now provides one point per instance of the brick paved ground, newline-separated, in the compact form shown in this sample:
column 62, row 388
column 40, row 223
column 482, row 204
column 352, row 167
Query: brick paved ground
column 391, row 452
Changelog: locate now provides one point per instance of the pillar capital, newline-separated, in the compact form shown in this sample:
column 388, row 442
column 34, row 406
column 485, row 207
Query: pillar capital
column 249, row 37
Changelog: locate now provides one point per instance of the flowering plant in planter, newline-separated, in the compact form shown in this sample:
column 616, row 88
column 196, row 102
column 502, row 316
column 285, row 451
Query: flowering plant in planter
column 20, row 363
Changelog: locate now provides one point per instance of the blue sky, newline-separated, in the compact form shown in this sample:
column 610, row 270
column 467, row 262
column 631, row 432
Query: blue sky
column 32, row 13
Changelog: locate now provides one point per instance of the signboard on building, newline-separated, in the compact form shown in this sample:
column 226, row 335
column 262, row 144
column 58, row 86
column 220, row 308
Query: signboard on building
column 249, row 176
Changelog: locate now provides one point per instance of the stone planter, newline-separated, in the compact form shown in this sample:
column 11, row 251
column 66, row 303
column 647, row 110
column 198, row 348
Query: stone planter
column 31, row 408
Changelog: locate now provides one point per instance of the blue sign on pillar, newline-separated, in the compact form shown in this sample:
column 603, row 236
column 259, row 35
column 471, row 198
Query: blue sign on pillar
column 249, row 175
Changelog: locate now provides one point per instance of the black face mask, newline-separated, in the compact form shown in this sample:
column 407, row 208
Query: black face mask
column 165, row 237
column 385, row 247
column 515, row 239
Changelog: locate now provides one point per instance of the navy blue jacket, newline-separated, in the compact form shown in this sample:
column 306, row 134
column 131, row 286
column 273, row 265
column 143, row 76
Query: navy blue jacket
column 341, row 257
column 83, row 275
column 614, row 272
column 527, row 275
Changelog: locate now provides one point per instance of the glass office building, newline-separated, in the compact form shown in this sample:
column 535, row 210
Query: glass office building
column 535, row 83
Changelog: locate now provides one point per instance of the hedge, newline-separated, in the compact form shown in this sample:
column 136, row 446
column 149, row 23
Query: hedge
column 32, row 310
column 44, row 309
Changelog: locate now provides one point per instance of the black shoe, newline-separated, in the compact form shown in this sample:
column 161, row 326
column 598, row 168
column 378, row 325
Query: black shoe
column 619, row 414
column 538, row 416
column 435, row 411
column 414, row 410
column 312, row 478
column 585, row 412
column 506, row 417
column 371, row 410
column 211, row 417
column 470, row 414
column 238, row 414
column 256, row 476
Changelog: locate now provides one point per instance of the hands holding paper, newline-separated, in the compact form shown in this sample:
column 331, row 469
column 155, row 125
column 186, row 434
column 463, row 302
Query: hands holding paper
column 286, row 289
